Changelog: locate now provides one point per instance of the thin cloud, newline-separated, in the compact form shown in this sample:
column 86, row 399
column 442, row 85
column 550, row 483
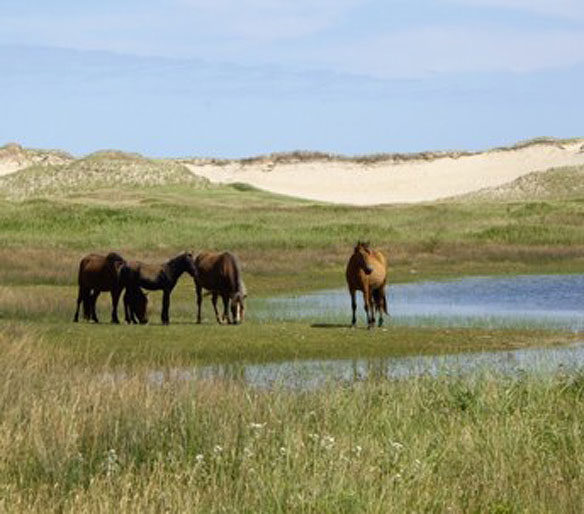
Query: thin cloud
column 269, row 19
column 563, row 8
column 426, row 51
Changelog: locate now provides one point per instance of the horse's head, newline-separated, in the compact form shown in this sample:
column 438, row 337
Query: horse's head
column 363, row 253
column 140, row 306
column 238, row 306
column 188, row 263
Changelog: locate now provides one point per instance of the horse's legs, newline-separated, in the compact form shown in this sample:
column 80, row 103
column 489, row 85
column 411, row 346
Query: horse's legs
column 353, row 307
column 165, row 307
column 92, row 301
column 379, row 300
column 79, row 300
column 126, row 307
column 368, row 304
column 199, row 294
column 225, row 298
column 380, row 309
column 115, row 299
column 214, row 302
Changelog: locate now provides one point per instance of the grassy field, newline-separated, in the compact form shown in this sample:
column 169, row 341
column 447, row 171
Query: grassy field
column 84, row 428
column 285, row 244
column 76, row 440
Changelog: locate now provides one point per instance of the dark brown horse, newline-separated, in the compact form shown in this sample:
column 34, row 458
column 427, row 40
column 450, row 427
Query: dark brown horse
column 135, row 306
column 155, row 277
column 220, row 274
column 367, row 272
column 99, row 273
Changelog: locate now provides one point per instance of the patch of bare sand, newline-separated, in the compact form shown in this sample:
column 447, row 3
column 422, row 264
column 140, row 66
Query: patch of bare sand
column 14, row 157
column 392, row 180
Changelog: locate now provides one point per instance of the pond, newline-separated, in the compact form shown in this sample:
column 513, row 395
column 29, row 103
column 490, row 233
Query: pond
column 535, row 301
column 526, row 301
column 311, row 374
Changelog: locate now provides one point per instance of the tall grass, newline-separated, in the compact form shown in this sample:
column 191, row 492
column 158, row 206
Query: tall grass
column 285, row 243
column 74, row 439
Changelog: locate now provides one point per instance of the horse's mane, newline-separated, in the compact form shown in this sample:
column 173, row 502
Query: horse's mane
column 171, row 266
column 363, row 244
column 114, row 256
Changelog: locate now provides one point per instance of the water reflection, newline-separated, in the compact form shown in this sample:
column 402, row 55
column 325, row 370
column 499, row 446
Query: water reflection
column 311, row 374
column 547, row 301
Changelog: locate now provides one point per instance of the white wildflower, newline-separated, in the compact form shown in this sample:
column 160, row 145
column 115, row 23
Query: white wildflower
column 112, row 464
column 397, row 446
column 199, row 458
column 218, row 449
column 327, row 442
column 257, row 426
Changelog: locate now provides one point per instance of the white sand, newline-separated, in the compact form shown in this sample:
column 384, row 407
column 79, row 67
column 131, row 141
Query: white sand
column 387, row 181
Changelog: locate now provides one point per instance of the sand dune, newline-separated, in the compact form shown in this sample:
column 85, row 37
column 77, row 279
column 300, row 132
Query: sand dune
column 368, row 180
column 14, row 157
column 393, row 179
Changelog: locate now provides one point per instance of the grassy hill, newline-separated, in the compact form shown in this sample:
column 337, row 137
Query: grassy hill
column 104, row 169
column 564, row 183
column 14, row 154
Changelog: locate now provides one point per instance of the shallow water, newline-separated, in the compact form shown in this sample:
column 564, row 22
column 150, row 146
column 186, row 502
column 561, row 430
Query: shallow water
column 312, row 374
column 546, row 301
column 536, row 301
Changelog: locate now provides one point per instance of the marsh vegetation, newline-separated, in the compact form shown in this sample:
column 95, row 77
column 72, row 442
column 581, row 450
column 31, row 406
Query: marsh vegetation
column 84, row 427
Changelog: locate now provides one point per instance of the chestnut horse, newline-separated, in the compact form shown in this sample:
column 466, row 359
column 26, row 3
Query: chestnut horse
column 220, row 274
column 366, row 272
column 152, row 277
column 99, row 273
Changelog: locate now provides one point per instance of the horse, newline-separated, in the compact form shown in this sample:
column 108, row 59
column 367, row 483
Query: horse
column 366, row 272
column 135, row 306
column 99, row 273
column 220, row 274
column 154, row 277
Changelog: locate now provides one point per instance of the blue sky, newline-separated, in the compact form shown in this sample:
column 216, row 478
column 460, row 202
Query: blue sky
column 236, row 78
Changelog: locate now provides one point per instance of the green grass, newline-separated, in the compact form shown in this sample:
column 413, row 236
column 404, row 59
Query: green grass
column 78, row 439
column 286, row 244
column 84, row 428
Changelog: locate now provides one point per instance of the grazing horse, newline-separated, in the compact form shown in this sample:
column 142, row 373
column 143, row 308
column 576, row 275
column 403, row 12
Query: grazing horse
column 220, row 274
column 155, row 277
column 367, row 271
column 99, row 273
column 135, row 306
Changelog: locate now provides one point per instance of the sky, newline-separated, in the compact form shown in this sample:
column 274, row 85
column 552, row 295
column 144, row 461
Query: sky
column 235, row 78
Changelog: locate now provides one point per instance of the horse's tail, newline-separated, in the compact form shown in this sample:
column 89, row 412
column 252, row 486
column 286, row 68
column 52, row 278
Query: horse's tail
column 83, row 294
column 237, row 284
column 87, row 307
column 380, row 299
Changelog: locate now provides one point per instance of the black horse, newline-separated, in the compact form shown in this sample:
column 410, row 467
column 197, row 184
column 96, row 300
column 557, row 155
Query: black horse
column 155, row 277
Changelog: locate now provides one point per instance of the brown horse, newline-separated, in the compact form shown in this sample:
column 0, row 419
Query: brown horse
column 367, row 271
column 158, row 277
column 99, row 273
column 220, row 274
